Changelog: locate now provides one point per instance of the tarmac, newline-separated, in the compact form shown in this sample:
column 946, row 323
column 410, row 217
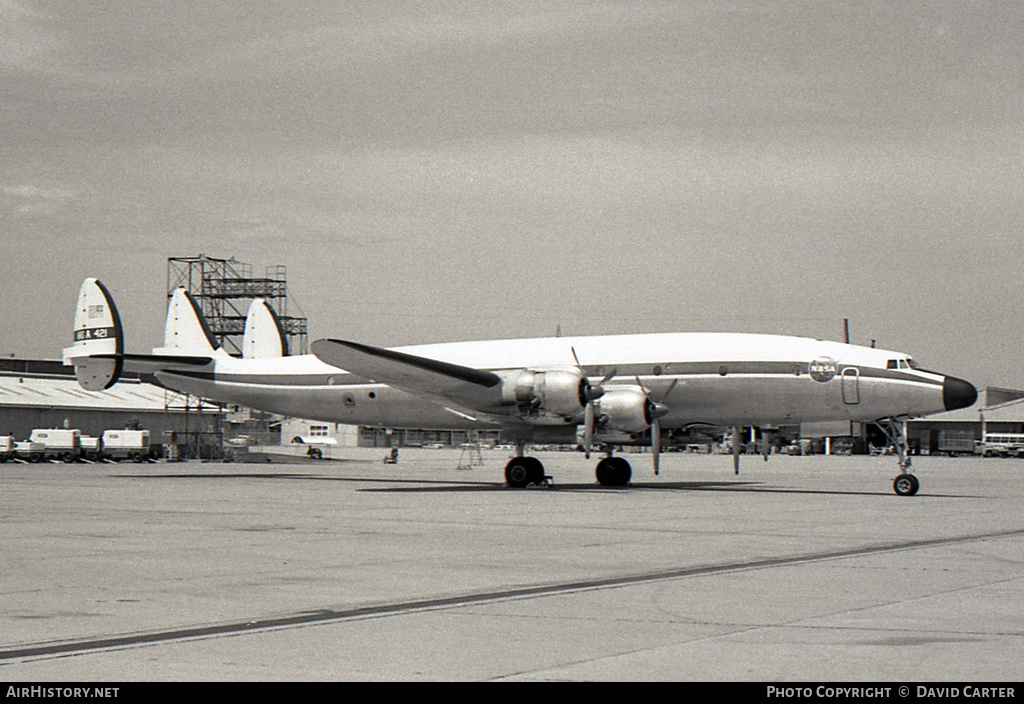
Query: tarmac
column 799, row 569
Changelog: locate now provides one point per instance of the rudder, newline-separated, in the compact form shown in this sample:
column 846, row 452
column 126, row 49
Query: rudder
column 98, row 344
column 186, row 331
column 264, row 334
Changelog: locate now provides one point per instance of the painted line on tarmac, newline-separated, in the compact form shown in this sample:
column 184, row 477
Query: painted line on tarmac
column 326, row 616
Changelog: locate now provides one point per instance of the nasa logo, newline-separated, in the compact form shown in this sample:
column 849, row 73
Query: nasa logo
column 823, row 369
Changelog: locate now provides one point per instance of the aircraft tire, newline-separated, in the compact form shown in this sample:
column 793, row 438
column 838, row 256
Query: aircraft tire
column 613, row 471
column 906, row 485
column 521, row 472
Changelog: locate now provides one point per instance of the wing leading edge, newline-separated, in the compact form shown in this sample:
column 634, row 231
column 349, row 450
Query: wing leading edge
column 474, row 388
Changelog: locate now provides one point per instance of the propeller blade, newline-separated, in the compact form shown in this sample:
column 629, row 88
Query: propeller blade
column 654, row 412
column 656, row 444
column 588, row 429
column 670, row 388
column 736, row 449
column 592, row 392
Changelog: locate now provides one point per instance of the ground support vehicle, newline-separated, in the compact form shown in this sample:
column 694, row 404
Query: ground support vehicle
column 6, row 447
column 1001, row 445
column 126, row 444
column 58, row 443
column 957, row 442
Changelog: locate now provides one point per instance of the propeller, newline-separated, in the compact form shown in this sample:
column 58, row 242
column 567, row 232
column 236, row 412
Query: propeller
column 590, row 393
column 654, row 412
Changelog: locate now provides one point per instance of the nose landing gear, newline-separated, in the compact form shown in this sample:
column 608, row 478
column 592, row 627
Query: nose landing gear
column 905, row 484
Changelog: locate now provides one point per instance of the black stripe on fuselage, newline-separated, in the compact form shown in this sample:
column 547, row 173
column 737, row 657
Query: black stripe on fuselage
column 669, row 370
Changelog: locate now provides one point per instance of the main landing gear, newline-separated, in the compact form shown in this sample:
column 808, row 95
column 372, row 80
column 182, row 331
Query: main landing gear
column 521, row 472
column 905, row 484
column 613, row 471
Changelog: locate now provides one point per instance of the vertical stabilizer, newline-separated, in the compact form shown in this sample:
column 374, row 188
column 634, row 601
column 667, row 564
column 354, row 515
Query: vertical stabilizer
column 98, row 338
column 264, row 334
column 186, row 331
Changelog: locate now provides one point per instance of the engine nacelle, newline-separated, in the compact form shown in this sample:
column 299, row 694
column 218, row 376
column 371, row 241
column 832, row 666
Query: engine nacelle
column 625, row 409
column 559, row 394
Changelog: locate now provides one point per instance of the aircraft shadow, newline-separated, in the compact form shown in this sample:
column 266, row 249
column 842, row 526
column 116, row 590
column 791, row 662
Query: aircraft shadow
column 428, row 486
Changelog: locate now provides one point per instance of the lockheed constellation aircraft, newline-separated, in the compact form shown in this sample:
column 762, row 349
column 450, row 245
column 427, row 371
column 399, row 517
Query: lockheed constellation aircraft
column 599, row 392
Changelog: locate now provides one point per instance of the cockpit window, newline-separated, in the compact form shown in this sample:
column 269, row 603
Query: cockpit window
column 907, row 363
column 913, row 364
column 892, row 364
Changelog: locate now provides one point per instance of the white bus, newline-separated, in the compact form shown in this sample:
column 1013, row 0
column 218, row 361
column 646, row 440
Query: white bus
column 1002, row 445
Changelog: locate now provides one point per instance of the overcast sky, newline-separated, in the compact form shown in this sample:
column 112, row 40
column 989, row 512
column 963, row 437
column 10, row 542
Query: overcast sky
column 442, row 171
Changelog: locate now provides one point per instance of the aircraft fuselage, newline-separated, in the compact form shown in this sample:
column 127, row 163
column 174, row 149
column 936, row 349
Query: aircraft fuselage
column 715, row 378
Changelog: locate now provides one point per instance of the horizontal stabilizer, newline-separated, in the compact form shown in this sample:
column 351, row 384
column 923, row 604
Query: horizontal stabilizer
column 419, row 375
column 97, row 331
column 152, row 363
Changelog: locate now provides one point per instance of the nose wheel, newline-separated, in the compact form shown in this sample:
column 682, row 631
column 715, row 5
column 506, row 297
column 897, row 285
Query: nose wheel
column 906, row 485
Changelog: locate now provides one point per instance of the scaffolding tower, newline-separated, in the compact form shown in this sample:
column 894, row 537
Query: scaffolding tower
column 224, row 289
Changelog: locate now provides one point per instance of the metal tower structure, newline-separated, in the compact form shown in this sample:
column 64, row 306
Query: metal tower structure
column 224, row 288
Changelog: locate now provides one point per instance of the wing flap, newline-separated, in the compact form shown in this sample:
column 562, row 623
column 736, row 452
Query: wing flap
column 474, row 388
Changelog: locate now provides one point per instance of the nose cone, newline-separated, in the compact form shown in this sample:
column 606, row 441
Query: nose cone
column 957, row 393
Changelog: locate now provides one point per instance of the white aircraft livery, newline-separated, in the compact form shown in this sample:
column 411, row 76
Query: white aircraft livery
column 601, row 391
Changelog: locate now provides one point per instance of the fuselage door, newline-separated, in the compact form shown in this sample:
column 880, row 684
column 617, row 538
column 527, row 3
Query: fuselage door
column 851, row 385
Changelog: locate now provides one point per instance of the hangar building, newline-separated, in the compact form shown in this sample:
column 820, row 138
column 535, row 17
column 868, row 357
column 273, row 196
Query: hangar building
column 45, row 394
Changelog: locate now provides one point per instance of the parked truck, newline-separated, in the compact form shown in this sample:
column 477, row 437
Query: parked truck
column 58, row 443
column 126, row 444
column 91, row 448
column 28, row 451
column 957, row 442
column 6, row 447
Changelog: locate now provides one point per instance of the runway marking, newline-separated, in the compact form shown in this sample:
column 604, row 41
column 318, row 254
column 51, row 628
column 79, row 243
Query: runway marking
column 324, row 616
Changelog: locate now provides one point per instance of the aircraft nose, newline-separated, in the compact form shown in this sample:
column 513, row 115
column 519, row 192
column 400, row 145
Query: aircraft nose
column 957, row 393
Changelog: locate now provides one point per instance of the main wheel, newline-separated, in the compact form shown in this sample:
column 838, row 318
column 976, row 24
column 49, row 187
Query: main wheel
column 906, row 485
column 613, row 471
column 523, row 471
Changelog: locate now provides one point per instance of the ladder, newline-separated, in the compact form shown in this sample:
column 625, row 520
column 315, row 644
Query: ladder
column 471, row 455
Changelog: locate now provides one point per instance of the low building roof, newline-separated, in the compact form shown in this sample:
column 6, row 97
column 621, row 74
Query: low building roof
column 49, row 387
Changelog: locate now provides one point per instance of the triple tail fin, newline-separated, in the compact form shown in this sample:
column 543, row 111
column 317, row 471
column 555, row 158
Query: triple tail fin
column 186, row 332
column 98, row 348
column 98, row 355
column 264, row 334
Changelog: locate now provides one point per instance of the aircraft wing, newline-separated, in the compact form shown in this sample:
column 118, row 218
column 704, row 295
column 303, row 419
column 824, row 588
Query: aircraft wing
column 466, row 386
